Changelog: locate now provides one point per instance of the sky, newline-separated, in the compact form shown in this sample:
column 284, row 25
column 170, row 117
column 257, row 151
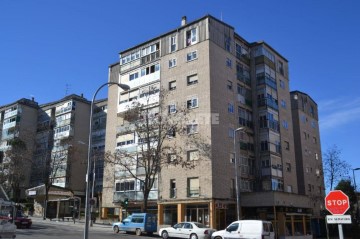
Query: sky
column 50, row 49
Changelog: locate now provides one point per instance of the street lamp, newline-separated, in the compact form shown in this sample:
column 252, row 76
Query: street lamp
column 87, row 200
column 238, row 211
column 357, row 200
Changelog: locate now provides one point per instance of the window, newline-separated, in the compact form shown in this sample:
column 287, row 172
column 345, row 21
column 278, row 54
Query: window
column 264, row 145
column 289, row 189
column 283, row 104
column 191, row 37
column 285, row 124
column 281, row 67
column 172, row 85
column 230, row 108
column 286, row 145
column 171, row 157
column 134, row 76
column 172, row 63
column 232, row 158
column 282, row 84
column 172, row 108
column 192, row 103
column 191, row 128
column 193, row 155
column 125, row 186
column 193, row 187
column 316, row 156
column 314, row 140
column 172, row 188
column 228, row 62
column 171, row 133
column 288, row 167
column 193, row 79
column 231, row 132
column 227, row 43
column 229, row 85
column 173, row 41
column 313, row 124
column 150, row 69
column 191, row 56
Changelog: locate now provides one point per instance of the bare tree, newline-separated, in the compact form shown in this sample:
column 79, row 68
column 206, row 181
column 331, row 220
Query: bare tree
column 155, row 129
column 335, row 169
column 15, row 167
column 52, row 161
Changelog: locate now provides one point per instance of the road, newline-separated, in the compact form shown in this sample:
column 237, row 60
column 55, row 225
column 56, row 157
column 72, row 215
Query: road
column 45, row 229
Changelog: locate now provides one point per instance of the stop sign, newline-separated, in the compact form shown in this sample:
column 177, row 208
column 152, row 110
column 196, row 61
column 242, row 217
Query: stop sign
column 337, row 202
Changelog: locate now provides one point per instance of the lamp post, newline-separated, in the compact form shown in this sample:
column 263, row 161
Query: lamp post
column 357, row 200
column 87, row 193
column 238, row 211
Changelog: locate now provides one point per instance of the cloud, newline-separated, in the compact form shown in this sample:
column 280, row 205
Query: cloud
column 337, row 112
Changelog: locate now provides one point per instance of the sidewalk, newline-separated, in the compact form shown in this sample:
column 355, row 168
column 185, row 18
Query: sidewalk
column 97, row 224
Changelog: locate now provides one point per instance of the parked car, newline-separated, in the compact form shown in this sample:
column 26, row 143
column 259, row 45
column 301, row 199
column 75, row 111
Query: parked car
column 138, row 223
column 21, row 220
column 255, row 229
column 7, row 229
column 192, row 230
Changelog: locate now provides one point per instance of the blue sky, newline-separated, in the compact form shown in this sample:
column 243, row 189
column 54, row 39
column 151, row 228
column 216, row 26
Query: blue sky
column 52, row 48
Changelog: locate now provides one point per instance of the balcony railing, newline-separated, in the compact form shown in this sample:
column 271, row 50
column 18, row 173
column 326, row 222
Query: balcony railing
column 266, row 80
column 63, row 110
column 151, row 57
column 10, row 114
column 268, row 103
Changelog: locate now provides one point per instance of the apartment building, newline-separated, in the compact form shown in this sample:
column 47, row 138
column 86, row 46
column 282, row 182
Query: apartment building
column 18, row 120
column 308, row 151
column 61, row 143
column 226, row 83
column 98, row 145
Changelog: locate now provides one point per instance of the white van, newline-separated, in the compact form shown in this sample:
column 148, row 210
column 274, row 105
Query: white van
column 250, row 229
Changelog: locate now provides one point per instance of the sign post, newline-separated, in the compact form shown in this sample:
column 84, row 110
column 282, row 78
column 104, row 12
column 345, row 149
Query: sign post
column 337, row 203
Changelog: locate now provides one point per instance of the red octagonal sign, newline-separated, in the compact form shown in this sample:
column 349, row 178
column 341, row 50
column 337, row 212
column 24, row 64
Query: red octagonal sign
column 337, row 202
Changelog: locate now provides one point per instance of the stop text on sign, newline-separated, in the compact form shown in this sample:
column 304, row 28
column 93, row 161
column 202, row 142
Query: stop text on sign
column 336, row 202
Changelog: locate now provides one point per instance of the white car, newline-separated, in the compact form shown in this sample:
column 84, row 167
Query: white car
column 254, row 229
column 191, row 230
column 7, row 229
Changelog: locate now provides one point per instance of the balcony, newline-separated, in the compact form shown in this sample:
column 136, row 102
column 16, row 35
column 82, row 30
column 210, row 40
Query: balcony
column 268, row 103
column 10, row 114
column 9, row 125
column 270, row 124
column 272, row 171
column 149, row 58
column 64, row 110
column 134, row 195
column 244, row 78
column 267, row 81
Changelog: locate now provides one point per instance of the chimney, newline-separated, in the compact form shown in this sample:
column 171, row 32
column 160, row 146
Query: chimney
column 183, row 21
column 32, row 98
column 82, row 95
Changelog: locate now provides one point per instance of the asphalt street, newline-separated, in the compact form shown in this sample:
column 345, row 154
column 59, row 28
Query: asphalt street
column 43, row 229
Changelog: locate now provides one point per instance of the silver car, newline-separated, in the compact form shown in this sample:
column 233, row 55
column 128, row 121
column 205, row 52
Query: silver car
column 191, row 230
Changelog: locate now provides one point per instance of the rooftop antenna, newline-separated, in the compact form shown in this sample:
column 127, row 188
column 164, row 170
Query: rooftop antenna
column 67, row 86
column 221, row 16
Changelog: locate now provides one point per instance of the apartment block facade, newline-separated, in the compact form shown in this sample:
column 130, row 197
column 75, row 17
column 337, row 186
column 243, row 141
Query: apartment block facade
column 56, row 136
column 61, row 140
column 18, row 120
column 226, row 83
column 308, row 151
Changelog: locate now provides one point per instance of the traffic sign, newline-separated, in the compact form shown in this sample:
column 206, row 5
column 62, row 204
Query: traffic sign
column 338, row 219
column 337, row 202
